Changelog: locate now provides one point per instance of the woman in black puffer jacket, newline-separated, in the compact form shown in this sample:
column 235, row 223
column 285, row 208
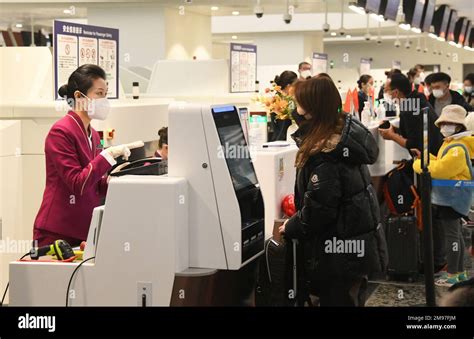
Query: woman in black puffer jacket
column 338, row 218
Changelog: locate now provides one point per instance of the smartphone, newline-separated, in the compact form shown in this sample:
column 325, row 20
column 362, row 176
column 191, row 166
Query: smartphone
column 385, row 125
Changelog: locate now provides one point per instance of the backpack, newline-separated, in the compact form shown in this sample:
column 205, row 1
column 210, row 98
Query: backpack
column 457, row 194
column 399, row 190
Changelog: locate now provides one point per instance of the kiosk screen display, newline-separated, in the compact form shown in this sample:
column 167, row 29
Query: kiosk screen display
column 234, row 147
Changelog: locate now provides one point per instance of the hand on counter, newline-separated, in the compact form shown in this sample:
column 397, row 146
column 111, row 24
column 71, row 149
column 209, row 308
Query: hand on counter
column 281, row 229
column 124, row 150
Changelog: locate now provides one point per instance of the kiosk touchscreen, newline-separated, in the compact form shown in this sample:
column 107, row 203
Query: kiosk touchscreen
column 244, row 179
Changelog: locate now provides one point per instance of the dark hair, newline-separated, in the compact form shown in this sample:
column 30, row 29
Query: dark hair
column 440, row 77
column 428, row 79
column 301, row 64
column 364, row 79
column 81, row 80
column 400, row 82
column 392, row 71
column 286, row 78
column 163, row 134
column 324, row 75
column 412, row 73
column 319, row 97
column 469, row 77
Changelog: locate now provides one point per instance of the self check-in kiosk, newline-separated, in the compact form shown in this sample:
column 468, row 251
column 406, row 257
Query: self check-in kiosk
column 155, row 233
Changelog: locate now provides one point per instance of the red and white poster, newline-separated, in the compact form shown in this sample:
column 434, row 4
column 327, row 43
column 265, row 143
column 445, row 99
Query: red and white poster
column 87, row 51
column 66, row 57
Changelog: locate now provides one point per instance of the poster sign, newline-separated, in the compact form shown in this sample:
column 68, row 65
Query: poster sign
column 320, row 63
column 77, row 44
column 396, row 64
column 364, row 67
column 243, row 68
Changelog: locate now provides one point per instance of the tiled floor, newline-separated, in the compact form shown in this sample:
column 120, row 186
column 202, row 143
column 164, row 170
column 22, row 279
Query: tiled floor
column 399, row 293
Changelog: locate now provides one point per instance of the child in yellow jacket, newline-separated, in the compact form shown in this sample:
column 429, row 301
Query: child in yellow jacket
column 453, row 162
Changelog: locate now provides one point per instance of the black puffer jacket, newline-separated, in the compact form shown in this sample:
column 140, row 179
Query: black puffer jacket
column 334, row 198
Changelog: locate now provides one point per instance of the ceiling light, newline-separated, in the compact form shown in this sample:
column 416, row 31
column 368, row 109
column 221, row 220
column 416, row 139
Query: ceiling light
column 214, row 8
column 333, row 33
column 234, row 37
column 377, row 17
column 235, row 13
column 359, row 10
column 67, row 11
column 348, row 36
column 404, row 26
column 19, row 26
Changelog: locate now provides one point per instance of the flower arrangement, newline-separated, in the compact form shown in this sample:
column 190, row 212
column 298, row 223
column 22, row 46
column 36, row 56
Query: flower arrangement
column 279, row 102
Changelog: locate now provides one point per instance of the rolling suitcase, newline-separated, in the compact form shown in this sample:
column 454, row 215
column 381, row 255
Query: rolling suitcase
column 403, row 241
column 277, row 267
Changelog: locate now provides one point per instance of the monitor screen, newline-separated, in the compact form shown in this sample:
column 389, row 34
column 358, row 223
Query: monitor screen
column 391, row 9
column 417, row 13
column 452, row 23
column 428, row 15
column 244, row 120
column 372, row 6
column 460, row 31
column 442, row 19
column 234, row 147
column 467, row 40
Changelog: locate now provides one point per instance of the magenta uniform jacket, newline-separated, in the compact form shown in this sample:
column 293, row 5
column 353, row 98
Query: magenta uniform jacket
column 75, row 179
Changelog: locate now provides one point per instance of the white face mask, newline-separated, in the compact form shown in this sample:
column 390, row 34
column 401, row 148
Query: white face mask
column 438, row 93
column 448, row 130
column 427, row 91
column 468, row 89
column 422, row 76
column 306, row 74
column 417, row 81
column 98, row 109
column 387, row 97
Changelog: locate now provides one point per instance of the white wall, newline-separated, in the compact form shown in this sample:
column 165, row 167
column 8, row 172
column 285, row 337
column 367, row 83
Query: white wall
column 187, row 36
column 384, row 54
column 277, row 52
column 279, row 48
column 142, row 32
column 149, row 33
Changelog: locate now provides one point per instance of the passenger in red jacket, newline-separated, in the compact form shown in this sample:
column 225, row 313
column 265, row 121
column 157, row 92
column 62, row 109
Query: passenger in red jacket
column 76, row 164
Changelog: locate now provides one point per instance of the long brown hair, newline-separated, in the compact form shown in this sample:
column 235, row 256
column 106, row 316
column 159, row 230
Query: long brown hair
column 319, row 98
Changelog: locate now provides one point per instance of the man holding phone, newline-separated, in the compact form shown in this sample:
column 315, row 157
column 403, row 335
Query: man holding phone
column 399, row 92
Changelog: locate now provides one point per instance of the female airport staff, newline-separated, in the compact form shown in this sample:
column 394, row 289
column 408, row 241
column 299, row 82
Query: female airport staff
column 162, row 151
column 75, row 162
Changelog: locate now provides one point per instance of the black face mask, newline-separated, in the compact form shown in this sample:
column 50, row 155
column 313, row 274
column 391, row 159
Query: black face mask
column 299, row 119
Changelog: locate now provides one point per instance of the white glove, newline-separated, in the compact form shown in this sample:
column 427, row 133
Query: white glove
column 124, row 150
